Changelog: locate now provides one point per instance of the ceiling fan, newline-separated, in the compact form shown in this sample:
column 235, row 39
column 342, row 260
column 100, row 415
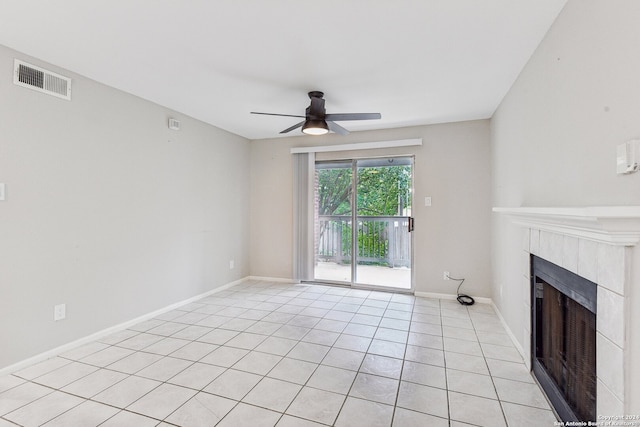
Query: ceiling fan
column 318, row 122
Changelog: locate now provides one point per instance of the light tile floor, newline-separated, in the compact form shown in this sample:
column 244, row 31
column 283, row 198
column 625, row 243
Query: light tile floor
column 273, row 354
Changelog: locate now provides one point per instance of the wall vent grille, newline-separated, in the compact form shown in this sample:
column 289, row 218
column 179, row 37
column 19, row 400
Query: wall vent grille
column 45, row 81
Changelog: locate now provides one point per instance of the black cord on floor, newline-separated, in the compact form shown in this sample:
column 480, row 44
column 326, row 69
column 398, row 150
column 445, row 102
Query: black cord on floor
column 462, row 298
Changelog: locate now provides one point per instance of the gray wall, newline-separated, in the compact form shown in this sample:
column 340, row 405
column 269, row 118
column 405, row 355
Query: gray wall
column 452, row 166
column 555, row 134
column 109, row 211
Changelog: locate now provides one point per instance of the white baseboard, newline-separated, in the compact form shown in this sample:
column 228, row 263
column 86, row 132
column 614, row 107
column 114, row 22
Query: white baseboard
column 481, row 300
column 272, row 279
column 103, row 333
column 516, row 343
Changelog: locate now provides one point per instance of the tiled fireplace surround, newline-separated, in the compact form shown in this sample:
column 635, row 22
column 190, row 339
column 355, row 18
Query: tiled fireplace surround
column 594, row 243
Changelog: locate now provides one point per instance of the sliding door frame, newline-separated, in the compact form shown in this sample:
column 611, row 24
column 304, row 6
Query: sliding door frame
column 354, row 229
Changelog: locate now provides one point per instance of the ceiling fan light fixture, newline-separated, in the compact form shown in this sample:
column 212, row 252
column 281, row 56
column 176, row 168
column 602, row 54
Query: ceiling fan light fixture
column 315, row 127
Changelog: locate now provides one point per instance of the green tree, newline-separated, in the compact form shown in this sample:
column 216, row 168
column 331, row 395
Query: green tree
column 334, row 191
column 382, row 191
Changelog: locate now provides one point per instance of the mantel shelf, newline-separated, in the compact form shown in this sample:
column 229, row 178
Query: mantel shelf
column 615, row 225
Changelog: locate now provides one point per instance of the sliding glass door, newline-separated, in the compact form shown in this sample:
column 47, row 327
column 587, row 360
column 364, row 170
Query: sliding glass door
column 333, row 221
column 369, row 245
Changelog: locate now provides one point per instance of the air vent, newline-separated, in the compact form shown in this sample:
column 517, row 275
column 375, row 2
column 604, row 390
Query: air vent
column 36, row 78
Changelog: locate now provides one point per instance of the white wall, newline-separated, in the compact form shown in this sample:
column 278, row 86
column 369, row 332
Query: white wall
column 452, row 166
column 109, row 211
column 554, row 136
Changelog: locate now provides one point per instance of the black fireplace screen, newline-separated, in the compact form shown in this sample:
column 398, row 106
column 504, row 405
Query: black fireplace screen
column 564, row 341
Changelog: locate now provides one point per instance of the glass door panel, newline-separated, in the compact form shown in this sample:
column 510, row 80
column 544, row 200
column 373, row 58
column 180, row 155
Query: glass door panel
column 383, row 217
column 333, row 220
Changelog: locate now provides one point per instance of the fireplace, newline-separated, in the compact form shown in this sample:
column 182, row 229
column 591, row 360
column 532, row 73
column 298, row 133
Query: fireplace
column 600, row 244
column 564, row 339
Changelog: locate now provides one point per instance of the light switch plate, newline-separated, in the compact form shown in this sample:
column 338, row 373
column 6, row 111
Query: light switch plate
column 427, row 201
column 2, row 192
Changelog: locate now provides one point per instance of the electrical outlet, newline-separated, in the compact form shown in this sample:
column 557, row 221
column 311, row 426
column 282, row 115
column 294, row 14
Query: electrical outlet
column 445, row 275
column 59, row 312
column 232, row 265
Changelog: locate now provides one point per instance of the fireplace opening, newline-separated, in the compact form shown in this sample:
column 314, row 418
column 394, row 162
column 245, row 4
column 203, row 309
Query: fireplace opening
column 564, row 339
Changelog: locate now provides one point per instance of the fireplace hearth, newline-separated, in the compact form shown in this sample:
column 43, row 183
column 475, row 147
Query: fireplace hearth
column 564, row 339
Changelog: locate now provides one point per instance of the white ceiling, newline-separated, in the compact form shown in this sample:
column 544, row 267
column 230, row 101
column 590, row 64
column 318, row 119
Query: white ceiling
column 414, row 61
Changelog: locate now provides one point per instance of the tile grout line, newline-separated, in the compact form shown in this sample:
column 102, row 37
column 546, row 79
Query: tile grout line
column 228, row 297
column 320, row 363
column 360, row 367
column 283, row 413
column 133, row 374
column 484, row 358
column 237, row 403
column 404, row 358
column 444, row 360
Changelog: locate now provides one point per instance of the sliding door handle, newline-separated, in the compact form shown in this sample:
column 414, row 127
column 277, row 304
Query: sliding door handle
column 410, row 224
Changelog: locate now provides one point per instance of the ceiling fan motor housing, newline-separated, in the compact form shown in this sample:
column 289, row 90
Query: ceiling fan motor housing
column 316, row 109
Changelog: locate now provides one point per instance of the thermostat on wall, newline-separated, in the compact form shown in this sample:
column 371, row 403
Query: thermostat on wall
column 627, row 157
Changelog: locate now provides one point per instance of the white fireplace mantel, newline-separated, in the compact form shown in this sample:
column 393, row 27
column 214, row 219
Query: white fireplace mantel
column 614, row 225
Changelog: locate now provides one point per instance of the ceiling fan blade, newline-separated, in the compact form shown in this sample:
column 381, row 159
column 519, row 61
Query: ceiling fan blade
column 296, row 126
column 353, row 116
column 334, row 127
column 274, row 114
